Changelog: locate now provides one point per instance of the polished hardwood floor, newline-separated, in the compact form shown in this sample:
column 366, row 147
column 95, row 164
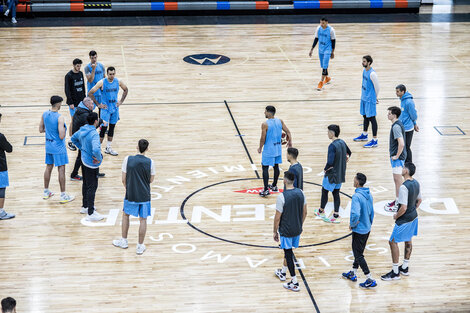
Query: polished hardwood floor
column 53, row 261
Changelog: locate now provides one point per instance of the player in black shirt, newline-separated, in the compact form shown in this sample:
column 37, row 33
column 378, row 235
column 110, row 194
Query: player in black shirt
column 75, row 92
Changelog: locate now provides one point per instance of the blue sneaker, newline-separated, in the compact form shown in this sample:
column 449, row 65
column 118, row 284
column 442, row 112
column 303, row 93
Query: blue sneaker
column 350, row 275
column 369, row 283
column 372, row 144
column 361, row 137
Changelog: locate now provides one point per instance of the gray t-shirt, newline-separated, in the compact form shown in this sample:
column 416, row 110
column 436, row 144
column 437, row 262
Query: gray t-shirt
column 396, row 129
column 403, row 195
column 281, row 201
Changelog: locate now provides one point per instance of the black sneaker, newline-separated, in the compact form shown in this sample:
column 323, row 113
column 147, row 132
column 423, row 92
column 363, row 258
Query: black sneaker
column 76, row 178
column 264, row 193
column 391, row 276
column 403, row 271
column 101, row 174
column 273, row 188
column 71, row 146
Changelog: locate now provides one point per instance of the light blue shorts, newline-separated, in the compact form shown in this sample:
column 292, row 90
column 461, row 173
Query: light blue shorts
column 397, row 163
column 57, row 159
column 329, row 186
column 137, row 209
column 270, row 161
column 368, row 108
column 289, row 242
column 4, row 182
column 324, row 59
column 72, row 111
column 405, row 232
column 110, row 118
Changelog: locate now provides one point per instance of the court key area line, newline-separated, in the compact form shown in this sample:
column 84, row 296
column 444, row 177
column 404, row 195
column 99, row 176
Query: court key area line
column 257, row 175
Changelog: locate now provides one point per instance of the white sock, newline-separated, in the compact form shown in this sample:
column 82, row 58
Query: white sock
column 294, row 279
column 395, row 268
column 404, row 266
column 46, row 190
column 364, row 133
column 354, row 270
column 284, row 269
column 62, row 194
column 108, row 145
column 1, row 210
column 369, row 276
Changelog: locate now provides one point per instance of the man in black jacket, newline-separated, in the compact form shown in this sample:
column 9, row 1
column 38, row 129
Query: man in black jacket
column 74, row 91
column 4, row 146
column 79, row 119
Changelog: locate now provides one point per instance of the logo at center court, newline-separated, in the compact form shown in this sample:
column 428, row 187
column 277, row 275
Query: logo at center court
column 255, row 191
column 206, row 59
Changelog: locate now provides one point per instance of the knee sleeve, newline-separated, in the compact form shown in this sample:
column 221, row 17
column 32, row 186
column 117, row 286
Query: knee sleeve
column 111, row 130
column 103, row 131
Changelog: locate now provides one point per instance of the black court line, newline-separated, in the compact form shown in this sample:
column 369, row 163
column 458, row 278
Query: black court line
column 241, row 138
column 307, row 286
column 183, row 215
column 241, row 101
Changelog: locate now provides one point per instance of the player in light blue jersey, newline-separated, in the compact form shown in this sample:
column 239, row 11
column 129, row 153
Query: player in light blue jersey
column 53, row 124
column 94, row 71
column 325, row 36
column 109, row 104
column 270, row 145
column 369, row 100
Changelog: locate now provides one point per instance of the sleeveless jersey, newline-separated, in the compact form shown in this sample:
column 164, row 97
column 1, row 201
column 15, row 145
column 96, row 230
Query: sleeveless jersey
column 272, row 144
column 110, row 94
column 54, row 145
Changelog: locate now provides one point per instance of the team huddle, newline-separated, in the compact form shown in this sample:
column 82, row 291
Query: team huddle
column 291, row 205
column 138, row 171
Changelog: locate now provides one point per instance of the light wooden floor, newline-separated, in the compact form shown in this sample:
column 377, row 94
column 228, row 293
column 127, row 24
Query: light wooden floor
column 51, row 262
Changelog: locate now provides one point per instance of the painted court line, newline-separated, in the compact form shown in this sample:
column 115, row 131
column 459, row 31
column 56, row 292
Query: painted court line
column 253, row 166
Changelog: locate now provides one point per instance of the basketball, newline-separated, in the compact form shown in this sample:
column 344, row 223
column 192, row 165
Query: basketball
column 284, row 138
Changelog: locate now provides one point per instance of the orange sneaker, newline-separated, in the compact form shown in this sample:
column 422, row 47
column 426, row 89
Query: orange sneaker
column 327, row 80
column 320, row 86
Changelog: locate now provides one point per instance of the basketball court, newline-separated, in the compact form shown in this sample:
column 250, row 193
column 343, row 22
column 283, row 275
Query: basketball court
column 209, row 241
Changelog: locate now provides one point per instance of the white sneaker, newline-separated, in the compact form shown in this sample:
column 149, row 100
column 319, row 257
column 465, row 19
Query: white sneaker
column 47, row 195
column 13, row 20
column 391, row 206
column 110, row 150
column 94, row 217
column 280, row 274
column 120, row 243
column 140, row 249
column 66, row 198
column 85, row 210
column 6, row 12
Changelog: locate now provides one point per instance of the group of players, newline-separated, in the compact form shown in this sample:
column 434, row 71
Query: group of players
column 102, row 93
column 291, row 205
